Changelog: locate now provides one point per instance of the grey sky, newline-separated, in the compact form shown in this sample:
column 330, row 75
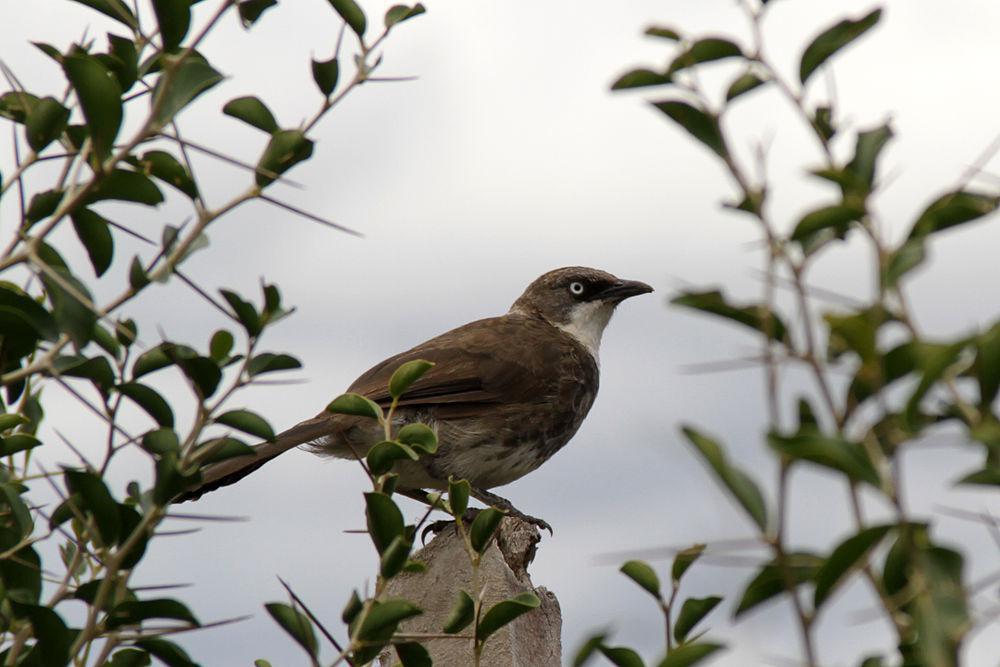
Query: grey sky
column 509, row 157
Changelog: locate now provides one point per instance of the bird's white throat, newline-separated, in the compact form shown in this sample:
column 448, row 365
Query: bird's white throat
column 586, row 323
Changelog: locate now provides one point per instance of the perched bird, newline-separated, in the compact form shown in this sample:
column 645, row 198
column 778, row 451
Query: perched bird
column 505, row 393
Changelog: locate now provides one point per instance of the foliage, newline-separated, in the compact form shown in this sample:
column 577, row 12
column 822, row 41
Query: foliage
column 898, row 392
column 116, row 134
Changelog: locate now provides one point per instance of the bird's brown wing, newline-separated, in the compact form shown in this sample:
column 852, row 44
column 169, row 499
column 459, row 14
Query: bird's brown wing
column 483, row 362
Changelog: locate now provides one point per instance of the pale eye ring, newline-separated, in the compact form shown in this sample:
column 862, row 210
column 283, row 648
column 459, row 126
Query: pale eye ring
column 576, row 288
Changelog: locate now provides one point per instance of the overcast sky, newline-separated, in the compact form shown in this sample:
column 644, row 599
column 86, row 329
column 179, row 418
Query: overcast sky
column 506, row 158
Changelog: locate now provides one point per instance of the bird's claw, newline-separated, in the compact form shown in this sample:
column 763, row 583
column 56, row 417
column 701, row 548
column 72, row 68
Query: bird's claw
column 505, row 505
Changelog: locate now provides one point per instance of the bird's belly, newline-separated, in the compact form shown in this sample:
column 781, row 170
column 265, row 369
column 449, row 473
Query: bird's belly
column 486, row 453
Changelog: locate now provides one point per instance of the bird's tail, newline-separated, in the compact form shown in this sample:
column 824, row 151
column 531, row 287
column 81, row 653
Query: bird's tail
column 232, row 470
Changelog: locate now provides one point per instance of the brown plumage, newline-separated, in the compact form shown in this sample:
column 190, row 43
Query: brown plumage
column 505, row 393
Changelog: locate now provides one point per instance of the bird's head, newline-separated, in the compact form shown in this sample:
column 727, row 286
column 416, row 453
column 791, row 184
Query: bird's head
column 578, row 300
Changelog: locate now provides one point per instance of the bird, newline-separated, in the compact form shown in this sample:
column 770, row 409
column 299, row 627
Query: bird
column 504, row 393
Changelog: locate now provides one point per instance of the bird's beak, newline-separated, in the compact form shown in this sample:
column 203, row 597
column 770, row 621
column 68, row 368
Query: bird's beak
column 624, row 289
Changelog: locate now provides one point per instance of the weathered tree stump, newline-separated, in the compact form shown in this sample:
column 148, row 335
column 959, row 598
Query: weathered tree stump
column 532, row 640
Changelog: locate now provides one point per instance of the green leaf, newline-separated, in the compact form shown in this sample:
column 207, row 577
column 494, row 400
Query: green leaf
column 770, row 581
column 987, row 365
column 134, row 612
column 244, row 310
column 394, row 557
column 17, row 510
column 866, row 153
column 385, row 521
column 96, row 369
column 640, row 78
column 458, row 496
column 836, row 217
column 116, row 9
column 663, row 32
column 161, row 441
column 107, row 341
column 690, row 654
column 165, row 167
column 406, row 375
column 99, row 94
column 169, row 653
column 904, row 259
column 150, row 401
column 251, row 10
column 171, row 94
column 296, row 624
column 756, row 317
column 174, row 19
column 743, row 489
column 43, row 204
column 352, row 608
column 699, row 123
column 399, row 13
column 122, row 59
column 9, row 421
column 24, row 321
column 253, row 112
column 984, row 477
column 483, row 527
column 386, row 615
column 137, row 276
column 93, row 232
column 125, row 185
column 846, row 557
column 152, row 360
column 856, row 332
column 221, row 345
column 352, row 15
column 355, row 404
column 822, row 122
column 932, row 360
column 832, row 40
column 504, row 612
column 692, row 611
column 248, row 422
column 96, row 500
column 45, row 123
column 830, row 452
column 221, row 449
column 461, row 614
column 19, row 442
column 325, row 73
column 74, row 317
column 383, row 455
column 21, row 570
column 743, row 84
column 266, row 362
column 412, row 654
column 285, row 149
column 953, row 209
column 130, row 657
column 53, row 637
column 16, row 105
column 703, row 51
column 684, row 559
column 419, row 436
column 621, row 656
column 940, row 611
column 642, row 574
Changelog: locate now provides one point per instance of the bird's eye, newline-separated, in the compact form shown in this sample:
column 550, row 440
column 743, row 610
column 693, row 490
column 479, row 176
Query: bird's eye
column 576, row 288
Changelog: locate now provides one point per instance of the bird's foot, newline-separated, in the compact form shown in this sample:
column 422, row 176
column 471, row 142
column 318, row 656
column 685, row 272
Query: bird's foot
column 505, row 505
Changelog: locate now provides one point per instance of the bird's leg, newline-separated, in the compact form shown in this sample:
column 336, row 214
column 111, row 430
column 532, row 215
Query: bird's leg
column 485, row 496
